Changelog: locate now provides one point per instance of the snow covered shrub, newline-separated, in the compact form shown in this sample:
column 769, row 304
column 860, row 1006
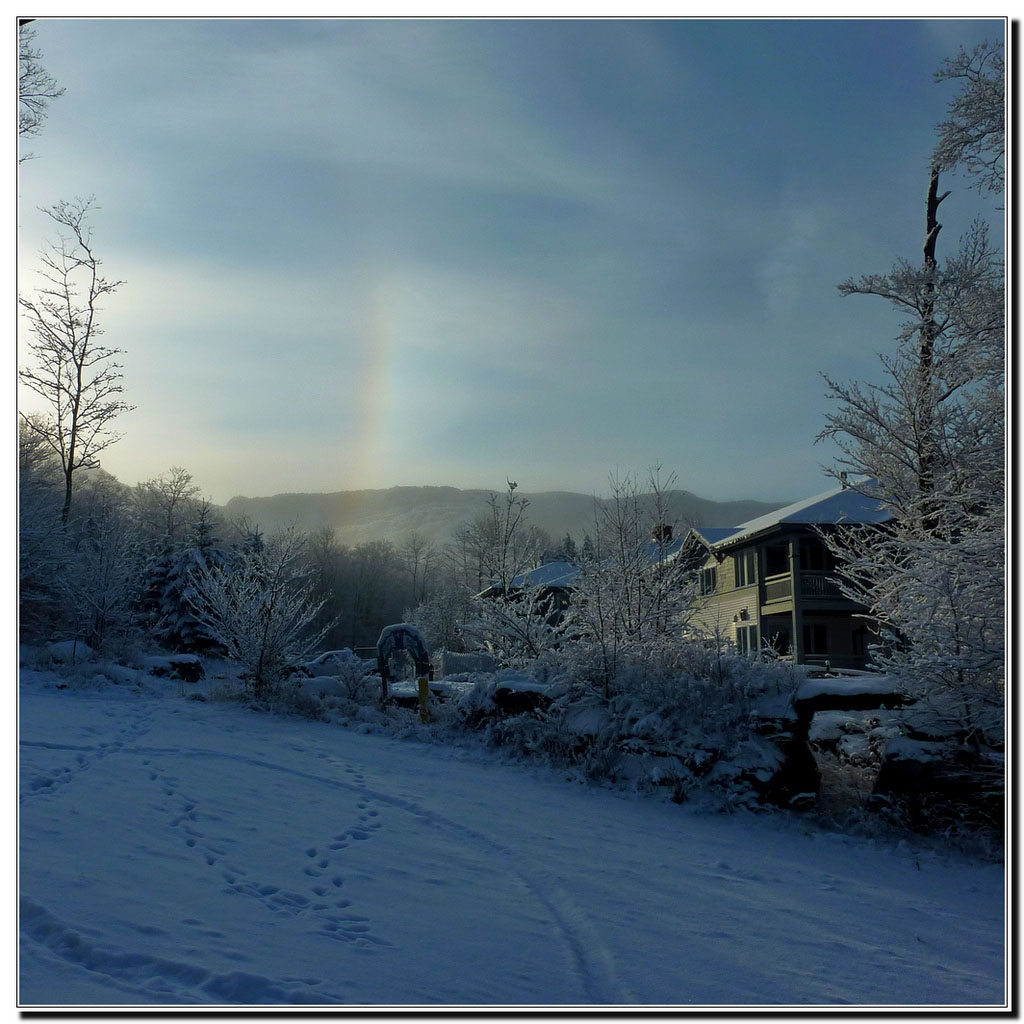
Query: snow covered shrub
column 518, row 627
column 40, row 537
column 356, row 683
column 477, row 707
column 260, row 610
column 100, row 581
column 942, row 612
column 442, row 614
column 941, row 788
column 672, row 718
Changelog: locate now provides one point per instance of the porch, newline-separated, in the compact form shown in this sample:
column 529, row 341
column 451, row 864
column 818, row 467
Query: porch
column 813, row 585
column 826, row 640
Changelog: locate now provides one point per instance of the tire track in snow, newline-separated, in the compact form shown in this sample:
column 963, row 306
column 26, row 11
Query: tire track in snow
column 594, row 961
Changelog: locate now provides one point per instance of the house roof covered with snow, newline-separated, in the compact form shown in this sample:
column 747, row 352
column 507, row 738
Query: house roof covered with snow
column 663, row 551
column 713, row 534
column 844, row 504
column 563, row 574
column 552, row 574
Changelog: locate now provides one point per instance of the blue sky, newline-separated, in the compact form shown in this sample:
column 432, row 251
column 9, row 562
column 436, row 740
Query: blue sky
column 361, row 253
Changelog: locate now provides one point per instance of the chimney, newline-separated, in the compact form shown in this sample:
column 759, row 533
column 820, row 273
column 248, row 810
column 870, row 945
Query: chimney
column 663, row 533
column 843, row 480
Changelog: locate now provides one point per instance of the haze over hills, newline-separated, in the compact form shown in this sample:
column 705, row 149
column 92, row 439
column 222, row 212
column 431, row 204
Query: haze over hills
column 434, row 512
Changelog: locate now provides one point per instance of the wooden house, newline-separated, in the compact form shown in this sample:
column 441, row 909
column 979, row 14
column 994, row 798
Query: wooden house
column 771, row 582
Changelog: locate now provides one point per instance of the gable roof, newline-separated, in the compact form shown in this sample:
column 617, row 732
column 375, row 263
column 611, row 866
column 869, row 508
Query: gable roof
column 552, row 574
column 713, row 534
column 843, row 504
column 663, row 551
column 562, row 574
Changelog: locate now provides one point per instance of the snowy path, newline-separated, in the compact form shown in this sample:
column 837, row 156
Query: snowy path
column 177, row 852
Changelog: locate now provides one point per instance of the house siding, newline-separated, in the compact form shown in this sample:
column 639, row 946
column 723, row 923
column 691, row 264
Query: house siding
column 715, row 613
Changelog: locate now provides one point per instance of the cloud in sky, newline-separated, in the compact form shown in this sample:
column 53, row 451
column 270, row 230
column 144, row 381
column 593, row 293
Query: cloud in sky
column 370, row 252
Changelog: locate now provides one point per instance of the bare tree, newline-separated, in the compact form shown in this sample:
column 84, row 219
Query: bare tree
column 499, row 543
column 75, row 374
column 165, row 504
column 36, row 86
column 325, row 557
column 417, row 554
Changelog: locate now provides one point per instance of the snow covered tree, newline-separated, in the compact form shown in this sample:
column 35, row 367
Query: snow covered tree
column 566, row 551
column 167, row 603
column 974, row 134
column 326, row 559
column 103, row 569
column 40, row 538
column 442, row 615
column 931, row 439
column 261, row 609
column 372, row 591
column 632, row 591
column 489, row 554
column 75, row 374
column 519, row 627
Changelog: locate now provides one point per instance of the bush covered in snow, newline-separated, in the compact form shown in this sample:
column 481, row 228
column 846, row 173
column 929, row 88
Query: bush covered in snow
column 260, row 609
column 675, row 718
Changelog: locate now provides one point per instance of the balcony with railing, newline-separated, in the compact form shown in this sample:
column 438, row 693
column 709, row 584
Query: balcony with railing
column 813, row 586
column 819, row 584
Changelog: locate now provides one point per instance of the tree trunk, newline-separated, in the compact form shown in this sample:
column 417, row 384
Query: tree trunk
column 929, row 331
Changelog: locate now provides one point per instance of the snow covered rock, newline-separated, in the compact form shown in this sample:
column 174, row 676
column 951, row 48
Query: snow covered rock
column 121, row 675
column 186, row 667
column 857, row 737
column 323, row 686
column 860, row 693
column 938, row 785
column 70, row 651
column 518, row 701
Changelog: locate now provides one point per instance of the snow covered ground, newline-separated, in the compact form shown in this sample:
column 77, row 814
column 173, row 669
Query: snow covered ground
column 177, row 852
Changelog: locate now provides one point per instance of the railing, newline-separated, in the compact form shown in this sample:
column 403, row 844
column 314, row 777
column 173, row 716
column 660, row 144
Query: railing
column 778, row 588
column 812, row 585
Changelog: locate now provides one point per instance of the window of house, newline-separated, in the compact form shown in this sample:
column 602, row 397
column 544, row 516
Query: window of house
column 746, row 568
column 857, row 642
column 776, row 560
column 746, row 639
column 708, row 580
column 813, row 557
column 815, row 638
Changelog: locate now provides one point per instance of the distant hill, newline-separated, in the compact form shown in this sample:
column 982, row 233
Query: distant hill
column 435, row 512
